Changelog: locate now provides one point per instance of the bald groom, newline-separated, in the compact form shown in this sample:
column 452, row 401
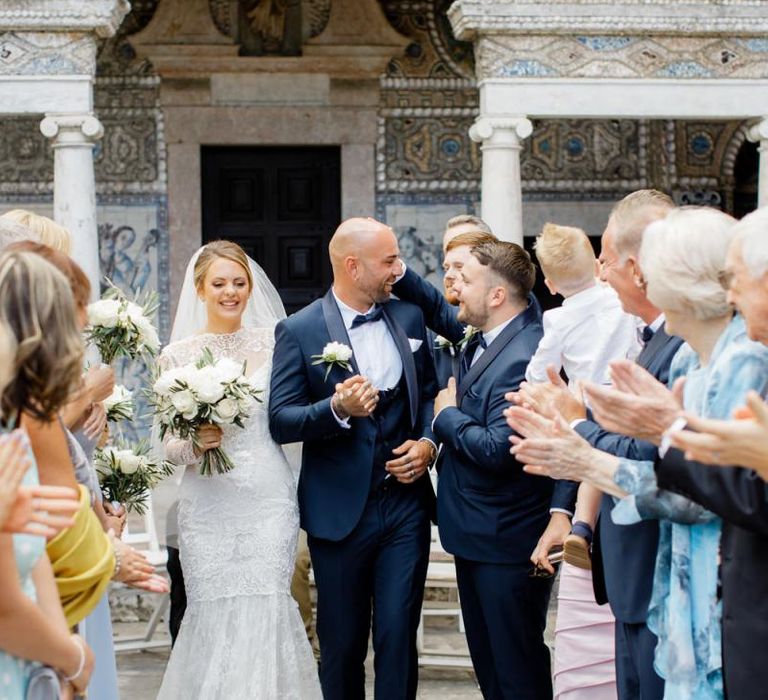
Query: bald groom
column 363, row 409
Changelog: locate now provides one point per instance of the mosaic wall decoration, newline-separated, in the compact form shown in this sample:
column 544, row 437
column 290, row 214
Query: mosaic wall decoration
column 535, row 56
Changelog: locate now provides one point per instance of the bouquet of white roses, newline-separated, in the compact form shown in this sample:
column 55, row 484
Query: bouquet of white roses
column 119, row 404
column 128, row 473
column 119, row 327
column 207, row 391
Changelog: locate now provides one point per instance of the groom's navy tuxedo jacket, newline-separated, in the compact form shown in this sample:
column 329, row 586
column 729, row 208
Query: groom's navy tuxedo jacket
column 489, row 510
column 338, row 464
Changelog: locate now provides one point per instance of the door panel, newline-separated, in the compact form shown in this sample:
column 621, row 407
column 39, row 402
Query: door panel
column 281, row 204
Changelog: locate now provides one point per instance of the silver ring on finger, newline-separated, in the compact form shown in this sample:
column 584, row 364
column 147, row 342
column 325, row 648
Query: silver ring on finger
column 411, row 473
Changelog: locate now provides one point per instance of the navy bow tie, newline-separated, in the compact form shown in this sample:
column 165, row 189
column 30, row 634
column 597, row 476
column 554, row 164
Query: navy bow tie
column 370, row 317
column 481, row 340
column 646, row 334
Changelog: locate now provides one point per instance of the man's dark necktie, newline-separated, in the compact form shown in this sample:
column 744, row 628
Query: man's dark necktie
column 370, row 317
column 475, row 342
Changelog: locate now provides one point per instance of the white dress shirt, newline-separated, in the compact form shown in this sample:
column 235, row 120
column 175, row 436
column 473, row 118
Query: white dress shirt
column 374, row 348
column 489, row 337
column 583, row 335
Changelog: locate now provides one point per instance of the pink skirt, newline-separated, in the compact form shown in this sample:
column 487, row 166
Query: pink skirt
column 584, row 641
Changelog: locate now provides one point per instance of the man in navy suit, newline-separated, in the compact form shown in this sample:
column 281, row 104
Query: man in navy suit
column 490, row 513
column 624, row 556
column 365, row 421
column 456, row 252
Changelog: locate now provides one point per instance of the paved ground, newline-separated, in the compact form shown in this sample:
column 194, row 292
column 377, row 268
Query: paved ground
column 140, row 673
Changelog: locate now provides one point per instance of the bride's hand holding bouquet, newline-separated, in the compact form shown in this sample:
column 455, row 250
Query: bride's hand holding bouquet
column 194, row 401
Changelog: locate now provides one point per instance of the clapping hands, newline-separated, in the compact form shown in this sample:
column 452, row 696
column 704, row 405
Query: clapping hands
column 637, row 404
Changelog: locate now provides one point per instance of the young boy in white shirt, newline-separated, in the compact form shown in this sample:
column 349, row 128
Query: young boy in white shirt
column 581, row 337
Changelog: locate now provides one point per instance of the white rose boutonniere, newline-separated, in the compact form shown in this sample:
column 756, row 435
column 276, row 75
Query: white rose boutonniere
column 334, row 354
column 469, row 331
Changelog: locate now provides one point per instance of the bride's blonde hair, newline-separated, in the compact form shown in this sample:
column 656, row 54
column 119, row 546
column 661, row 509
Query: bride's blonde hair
column 220, row 249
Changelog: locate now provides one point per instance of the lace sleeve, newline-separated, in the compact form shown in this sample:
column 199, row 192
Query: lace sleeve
column 180, row 452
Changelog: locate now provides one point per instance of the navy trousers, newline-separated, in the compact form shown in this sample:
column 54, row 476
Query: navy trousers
column 379, row 569
column 635, row 677
column 505, row 613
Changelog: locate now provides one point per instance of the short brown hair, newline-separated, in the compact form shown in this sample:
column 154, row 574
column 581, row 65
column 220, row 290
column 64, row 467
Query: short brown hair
column 37, row 307
column 78, row 280
column 631, row 216
column 566, row 256
column 470, row 238
column 511, row 264
column 463, row 219
column 220, row 249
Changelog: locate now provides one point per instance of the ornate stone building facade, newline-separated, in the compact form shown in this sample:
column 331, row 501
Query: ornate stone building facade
column 387, row 83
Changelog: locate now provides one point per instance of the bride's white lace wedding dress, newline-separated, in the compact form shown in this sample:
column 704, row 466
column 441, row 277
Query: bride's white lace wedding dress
column 242, row 635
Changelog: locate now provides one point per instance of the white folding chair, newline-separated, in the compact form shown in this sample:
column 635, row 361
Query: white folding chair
column 145, row 540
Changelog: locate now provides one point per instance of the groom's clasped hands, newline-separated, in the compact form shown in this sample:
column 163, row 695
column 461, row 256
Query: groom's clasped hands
column 356, row 397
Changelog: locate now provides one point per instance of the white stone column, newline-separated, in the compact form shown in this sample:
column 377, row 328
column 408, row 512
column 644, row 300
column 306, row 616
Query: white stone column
column 501, row 188
column 758, row 133
column 74, row 187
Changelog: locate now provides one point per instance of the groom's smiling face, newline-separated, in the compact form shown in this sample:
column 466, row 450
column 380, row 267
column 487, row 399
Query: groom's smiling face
column 379, row 266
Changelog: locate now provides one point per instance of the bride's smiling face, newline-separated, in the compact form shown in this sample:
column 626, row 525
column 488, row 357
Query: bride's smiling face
column 225, row 290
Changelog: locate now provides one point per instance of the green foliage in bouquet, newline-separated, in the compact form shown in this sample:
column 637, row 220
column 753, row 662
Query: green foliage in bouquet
column 127, row 474
column 120, row 327
column 204, row 392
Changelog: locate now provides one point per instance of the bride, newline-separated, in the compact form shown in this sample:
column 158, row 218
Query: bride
column 242, row 635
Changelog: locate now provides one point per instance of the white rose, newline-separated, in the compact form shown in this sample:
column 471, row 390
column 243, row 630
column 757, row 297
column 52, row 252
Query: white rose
column 337, row 351
column 134, row 312
column 228, row 370
column 207, row 385
column 129, row 462
column 168, row 379
column 104, row 313
column 225, row 411
column 149, row 337
column 184, row 402
column 118, row 395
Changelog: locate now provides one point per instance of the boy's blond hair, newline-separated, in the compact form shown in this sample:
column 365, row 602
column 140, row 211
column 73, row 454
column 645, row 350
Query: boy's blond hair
column 566, row 257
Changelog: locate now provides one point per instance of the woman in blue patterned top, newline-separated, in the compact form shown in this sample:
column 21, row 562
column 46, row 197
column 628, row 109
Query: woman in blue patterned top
column 683, row 259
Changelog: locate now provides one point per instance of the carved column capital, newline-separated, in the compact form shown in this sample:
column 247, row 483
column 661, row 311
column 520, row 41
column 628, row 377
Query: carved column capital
column 72, row 129
column 501, row 131
column 758, row 130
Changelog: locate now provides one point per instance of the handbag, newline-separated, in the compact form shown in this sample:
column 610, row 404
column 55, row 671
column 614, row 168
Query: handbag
column 44, row 684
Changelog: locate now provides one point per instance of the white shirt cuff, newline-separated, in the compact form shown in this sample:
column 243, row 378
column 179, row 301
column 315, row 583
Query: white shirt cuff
column 561, row 510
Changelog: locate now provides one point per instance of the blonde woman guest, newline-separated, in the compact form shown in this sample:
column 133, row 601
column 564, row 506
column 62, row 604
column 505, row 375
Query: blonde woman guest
column 33, row 628
column 42, row 229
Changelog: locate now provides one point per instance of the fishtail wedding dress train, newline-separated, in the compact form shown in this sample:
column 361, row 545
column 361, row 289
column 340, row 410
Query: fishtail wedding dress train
column 242, row 635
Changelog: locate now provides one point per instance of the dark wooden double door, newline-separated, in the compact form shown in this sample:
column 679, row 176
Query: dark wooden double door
column 281, row 204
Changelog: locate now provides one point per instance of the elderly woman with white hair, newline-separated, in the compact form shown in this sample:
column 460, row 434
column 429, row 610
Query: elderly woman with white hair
column 683, row 257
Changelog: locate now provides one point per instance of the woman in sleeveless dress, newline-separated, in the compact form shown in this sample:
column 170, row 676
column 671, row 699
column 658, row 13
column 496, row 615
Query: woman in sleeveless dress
column 242, row 635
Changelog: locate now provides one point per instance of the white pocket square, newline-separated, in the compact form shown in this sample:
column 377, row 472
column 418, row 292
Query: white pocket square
column 415, row 344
